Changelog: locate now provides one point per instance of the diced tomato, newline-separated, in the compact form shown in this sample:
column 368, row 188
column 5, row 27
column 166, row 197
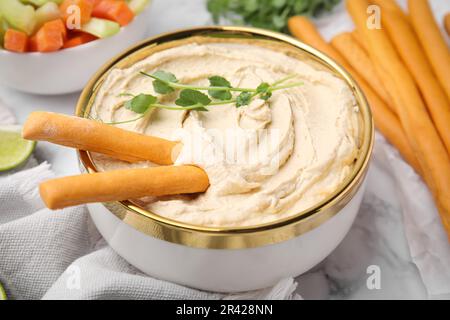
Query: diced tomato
column 114, row 10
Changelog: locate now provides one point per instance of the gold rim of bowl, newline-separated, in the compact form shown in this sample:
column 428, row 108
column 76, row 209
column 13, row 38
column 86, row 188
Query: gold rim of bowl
column 234, row 237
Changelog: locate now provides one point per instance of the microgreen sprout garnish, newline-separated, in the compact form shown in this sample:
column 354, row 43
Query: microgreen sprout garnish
column 190, row 97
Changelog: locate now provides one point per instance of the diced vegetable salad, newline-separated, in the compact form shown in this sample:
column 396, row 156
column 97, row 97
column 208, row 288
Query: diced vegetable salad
column 51, row 25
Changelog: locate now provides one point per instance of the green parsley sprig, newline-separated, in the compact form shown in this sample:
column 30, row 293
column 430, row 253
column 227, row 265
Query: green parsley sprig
column 267, row 14
column 219, row 92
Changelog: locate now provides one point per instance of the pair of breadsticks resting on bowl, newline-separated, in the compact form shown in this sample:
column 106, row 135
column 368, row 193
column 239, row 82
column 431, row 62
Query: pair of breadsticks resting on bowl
column 116, row 185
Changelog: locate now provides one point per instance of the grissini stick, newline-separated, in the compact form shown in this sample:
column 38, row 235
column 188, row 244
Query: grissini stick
column 447, row 23
column 359, row 39
column 408, row 46
column 423, row 136
column 117, row 185
column 90, row 135
column 385, row 119
column 360, row 60
column 432, row 40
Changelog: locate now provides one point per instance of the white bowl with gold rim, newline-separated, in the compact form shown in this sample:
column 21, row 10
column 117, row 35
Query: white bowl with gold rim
column 231, row 259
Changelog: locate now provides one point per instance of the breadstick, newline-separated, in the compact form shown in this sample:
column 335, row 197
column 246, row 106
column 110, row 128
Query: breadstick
column 423, row 137
column 359, row 59
column 122, row 184
column 358, row 38
column 303, row 29
column 408, row 46
column 447, row 23
column 385, row 120
column 432, row 40
column 388, row 123
column 85, row 134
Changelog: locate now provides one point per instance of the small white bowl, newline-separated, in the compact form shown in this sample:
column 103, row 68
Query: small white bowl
column 67, row 70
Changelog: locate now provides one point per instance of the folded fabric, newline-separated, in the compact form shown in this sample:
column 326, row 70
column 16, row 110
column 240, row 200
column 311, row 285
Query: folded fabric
column 427, row 239
column 42, row 250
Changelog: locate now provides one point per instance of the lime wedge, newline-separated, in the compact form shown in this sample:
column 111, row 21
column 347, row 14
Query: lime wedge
column 2, row 293
column 13, row 149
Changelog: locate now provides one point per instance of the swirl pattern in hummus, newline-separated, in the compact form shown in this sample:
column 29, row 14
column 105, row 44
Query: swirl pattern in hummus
column 265, row 161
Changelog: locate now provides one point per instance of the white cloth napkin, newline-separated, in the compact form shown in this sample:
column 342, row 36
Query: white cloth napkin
column 41, row 251
column 427, row 239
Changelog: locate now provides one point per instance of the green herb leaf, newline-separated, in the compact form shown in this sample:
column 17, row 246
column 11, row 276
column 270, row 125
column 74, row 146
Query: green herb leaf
column 200, row 109
column 243, row 99
column 190, row 97
column 140, row 103
column 266, row 96
column 279, row 3
column 216, row 81
column 267, row 14
column 278, row 22
column 300, row 7
column 263, row 87
column 264, row 91
column 250, row 5
column 3, row 295
column 162, row 79
column 220, row 95
column 162, row 87
column 165, row 76
column 216, row 7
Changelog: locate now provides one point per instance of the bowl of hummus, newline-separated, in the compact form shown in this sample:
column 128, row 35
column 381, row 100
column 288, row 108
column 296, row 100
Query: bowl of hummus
column 286, row 170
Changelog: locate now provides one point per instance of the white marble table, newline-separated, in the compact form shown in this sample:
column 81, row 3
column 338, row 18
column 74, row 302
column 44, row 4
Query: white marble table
column 377, row 237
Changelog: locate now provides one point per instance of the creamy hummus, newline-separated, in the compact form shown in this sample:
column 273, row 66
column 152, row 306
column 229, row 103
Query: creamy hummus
column 265, row 161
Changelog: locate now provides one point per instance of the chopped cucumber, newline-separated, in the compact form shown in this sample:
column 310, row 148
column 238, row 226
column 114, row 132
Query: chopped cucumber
column 137, row 6
column 101, row 28
column 39, row 3
column 18, row 15
column 49, row 11
column 36, row 3
column 3, row 28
